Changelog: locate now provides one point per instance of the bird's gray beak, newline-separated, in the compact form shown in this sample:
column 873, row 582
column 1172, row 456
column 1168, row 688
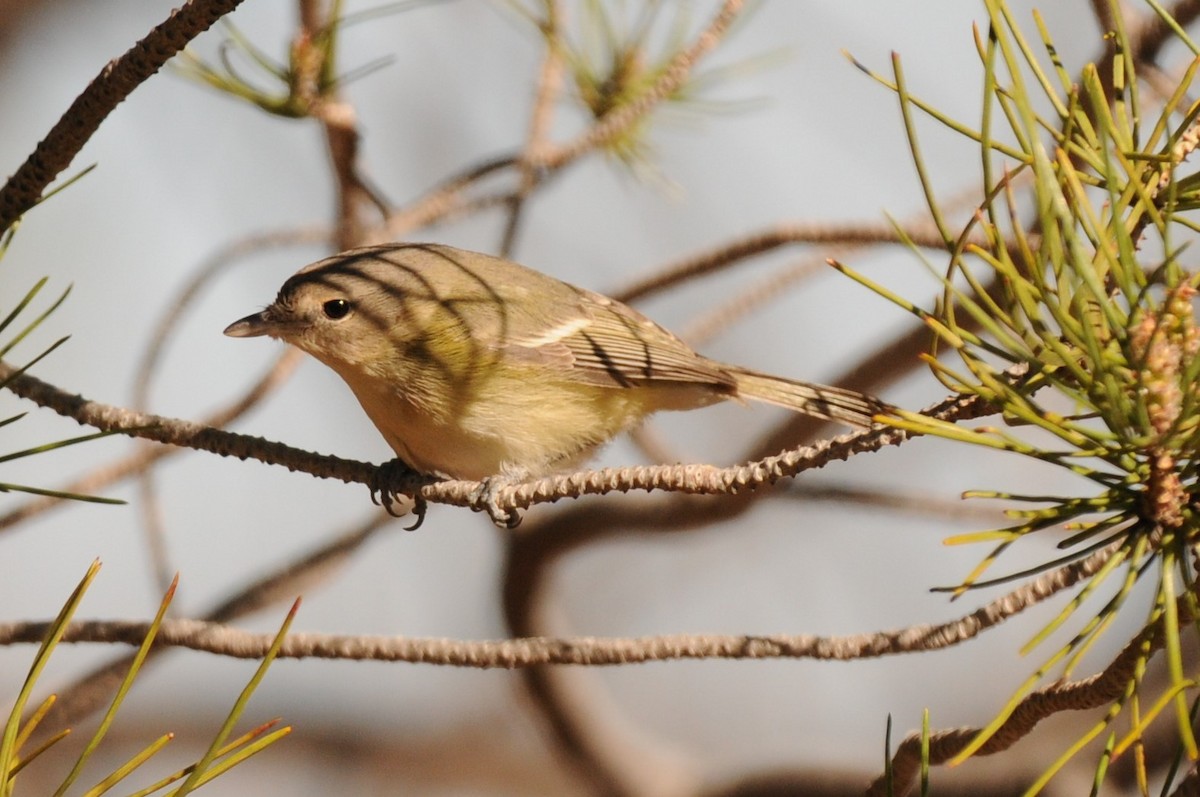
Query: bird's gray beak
column 253, row 326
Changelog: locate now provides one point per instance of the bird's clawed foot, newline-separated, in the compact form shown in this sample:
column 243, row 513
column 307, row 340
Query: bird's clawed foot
column 486, row 498
column 395, row 479
column 384, row 490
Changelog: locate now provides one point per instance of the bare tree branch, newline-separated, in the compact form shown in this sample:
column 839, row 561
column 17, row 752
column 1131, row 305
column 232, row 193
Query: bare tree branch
column 673, row 77
column 549, row 86
column 92, row 690
column 1088, row 693
column 213, row 636
column 107, row 90
column 695, row 479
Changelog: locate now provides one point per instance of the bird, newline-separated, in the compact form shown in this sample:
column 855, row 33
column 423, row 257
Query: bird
column 475, row 367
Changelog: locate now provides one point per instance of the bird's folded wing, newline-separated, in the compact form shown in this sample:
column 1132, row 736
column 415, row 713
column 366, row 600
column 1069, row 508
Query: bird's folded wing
column 609, row 344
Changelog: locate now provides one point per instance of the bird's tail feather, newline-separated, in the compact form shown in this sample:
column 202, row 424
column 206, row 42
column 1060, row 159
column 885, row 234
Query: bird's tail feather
column 820, row 401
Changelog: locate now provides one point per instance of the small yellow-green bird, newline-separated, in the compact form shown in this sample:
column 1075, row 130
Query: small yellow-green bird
column 475, row 367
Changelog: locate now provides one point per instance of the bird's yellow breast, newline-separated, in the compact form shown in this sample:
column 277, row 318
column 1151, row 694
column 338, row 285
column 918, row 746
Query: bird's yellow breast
column 515, row 421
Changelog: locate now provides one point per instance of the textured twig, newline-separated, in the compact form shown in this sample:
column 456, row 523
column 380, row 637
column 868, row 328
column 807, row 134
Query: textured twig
column 212, row 636
column 695, row 479
column 144, row 458
column 94, row 689
column 1088, row 693
column 174, row 431
column 116, row 81
column 510, row 653
column 699, row 479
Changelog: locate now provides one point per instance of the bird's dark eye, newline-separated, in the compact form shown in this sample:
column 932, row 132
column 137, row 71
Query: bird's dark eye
column 336, row 308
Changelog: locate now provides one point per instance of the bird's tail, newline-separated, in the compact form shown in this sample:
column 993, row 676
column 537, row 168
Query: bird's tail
column 820, row 401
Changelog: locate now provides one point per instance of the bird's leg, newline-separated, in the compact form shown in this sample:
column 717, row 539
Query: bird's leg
column 388, row 483
column 486, row 498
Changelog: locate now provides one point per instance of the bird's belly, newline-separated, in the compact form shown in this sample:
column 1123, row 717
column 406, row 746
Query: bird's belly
column 524, row 430
column 430, row 445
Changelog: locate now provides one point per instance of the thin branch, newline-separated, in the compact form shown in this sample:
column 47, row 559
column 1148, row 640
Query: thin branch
column 94, row 689
column 116, row 81
column 1088, row 693
column 339, row 123
column 676, row 72
column 840, row 241
column 178, row 432
column 213, row 636
column 758, row 293
column 549, row 86
column 694, row 479
column 536, row 166
column 445, row 200
column 141, row 460
column 762, row 241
